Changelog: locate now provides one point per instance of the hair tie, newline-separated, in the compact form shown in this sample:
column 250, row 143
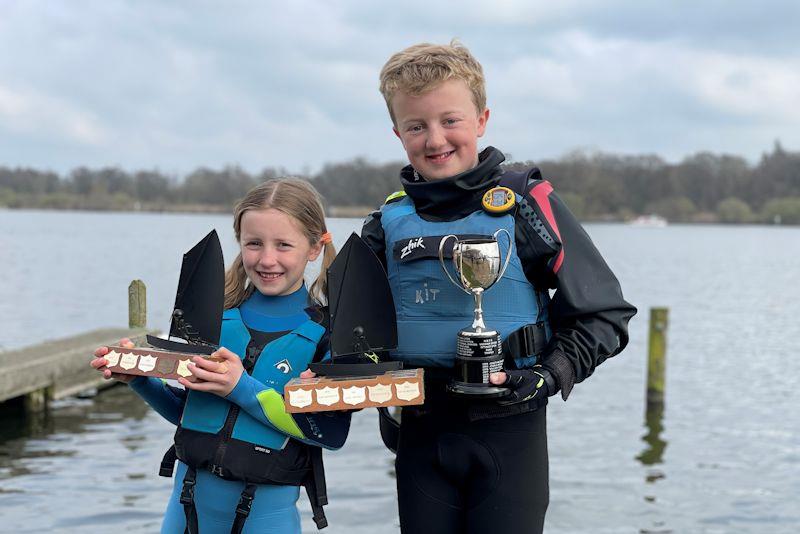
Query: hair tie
column 326, row 238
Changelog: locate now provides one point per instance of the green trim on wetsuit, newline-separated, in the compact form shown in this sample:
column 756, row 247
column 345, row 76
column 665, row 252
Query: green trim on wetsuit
column 274, row 409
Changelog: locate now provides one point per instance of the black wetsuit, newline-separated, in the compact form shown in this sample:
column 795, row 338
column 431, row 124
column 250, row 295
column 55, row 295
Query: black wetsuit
column 457, row 475
column 480, row 467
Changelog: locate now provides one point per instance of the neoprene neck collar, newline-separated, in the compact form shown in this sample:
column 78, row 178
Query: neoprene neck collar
column 459, row 194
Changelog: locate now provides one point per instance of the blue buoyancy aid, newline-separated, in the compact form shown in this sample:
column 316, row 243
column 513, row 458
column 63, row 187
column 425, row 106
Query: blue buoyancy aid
column 206, row 412
column 431, row 309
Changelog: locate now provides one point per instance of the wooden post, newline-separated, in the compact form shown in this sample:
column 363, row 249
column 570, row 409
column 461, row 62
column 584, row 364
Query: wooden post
column 657, row 357
column 38, row 400
column 137, row 304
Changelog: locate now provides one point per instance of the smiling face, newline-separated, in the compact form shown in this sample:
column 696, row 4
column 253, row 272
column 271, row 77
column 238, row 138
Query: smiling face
column 439, row 129
column 275, row 251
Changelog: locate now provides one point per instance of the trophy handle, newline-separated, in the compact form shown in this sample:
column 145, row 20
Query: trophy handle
column 444, row 266
column 508, row 252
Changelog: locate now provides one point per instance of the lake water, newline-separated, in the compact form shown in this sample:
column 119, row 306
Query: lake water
column 727, row 458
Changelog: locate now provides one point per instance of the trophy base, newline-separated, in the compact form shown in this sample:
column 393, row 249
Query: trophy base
column 333, row 369
column 325, row 393
column 153, row 362
column 484, row 391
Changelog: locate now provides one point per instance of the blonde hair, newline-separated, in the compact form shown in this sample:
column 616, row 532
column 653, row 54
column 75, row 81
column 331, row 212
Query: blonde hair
column 299, row 200
column 422, row 67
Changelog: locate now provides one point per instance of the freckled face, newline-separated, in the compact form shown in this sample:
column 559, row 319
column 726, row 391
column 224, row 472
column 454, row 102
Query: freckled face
column 274, row 251
column 440, row 129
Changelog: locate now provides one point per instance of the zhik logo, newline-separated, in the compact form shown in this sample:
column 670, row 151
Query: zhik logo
column 412, row 245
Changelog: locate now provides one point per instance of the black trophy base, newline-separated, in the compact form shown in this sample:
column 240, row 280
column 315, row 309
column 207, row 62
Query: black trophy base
column 482, row 391
column 478, row 355
column 354, row 369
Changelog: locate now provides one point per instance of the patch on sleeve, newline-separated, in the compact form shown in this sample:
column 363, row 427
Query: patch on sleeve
column 272, row 405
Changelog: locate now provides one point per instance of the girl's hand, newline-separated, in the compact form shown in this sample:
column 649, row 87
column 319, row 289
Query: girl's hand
column 100, row 363
column 214, row 377
column 308, row 373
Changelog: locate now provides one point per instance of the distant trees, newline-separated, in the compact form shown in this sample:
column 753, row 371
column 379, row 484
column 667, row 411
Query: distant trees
column 734, row 210
column 703, row 187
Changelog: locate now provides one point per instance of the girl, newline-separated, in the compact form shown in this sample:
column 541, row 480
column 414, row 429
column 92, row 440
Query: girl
column 242, row 457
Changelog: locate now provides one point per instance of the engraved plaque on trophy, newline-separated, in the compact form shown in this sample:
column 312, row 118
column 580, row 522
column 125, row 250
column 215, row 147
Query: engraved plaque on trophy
column 322, row 393
column 477, row 263
column 151, row 362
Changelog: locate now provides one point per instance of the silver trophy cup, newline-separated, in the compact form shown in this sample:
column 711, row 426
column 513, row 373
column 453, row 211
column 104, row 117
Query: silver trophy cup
column 477, row 263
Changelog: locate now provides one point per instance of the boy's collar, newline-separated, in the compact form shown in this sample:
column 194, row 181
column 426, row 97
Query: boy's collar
column 452, row 195
column 488, row 158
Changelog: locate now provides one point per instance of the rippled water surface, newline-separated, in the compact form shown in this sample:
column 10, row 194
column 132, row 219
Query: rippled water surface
column 724, row 458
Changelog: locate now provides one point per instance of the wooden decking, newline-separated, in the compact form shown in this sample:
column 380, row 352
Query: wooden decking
column 57, row 369
column 60, row 368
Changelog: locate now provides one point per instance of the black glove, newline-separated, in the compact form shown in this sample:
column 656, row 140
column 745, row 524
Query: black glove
column 527, row 384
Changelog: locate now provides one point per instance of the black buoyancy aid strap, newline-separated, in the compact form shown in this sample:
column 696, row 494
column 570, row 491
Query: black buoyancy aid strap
column 530, row 340
column 168, row 462
column 243, row 508
column 316, row 488
column 187, row 500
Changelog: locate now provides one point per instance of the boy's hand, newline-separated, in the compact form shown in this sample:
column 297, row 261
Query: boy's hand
column 525, row 384
column 217, row 377
column 100, row 363
column 308, row 373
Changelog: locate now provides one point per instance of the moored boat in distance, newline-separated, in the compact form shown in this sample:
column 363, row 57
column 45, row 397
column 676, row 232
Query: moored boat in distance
column 650, row 221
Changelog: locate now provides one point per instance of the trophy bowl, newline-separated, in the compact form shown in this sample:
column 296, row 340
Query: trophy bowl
column 477, row 263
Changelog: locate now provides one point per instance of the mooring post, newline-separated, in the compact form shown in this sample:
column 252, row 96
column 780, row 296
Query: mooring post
column 38, row 400
column 657, row 357
column 137, row 304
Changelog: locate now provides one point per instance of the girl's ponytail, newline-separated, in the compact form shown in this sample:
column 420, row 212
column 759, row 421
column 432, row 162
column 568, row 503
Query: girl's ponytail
column 236, row 287
column 319, row 289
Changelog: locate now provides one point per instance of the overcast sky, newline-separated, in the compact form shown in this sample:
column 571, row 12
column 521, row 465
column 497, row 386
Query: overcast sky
column 174, row 85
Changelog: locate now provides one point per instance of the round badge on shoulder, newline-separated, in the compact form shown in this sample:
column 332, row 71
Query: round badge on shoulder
column 498, row 200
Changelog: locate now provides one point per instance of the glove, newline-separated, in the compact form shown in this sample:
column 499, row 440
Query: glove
column 527, row 384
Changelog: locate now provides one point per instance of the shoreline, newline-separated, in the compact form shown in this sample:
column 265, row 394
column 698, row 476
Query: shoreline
column 360, row 212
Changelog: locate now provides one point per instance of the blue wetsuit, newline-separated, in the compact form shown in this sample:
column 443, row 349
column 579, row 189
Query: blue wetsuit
column 274, row 508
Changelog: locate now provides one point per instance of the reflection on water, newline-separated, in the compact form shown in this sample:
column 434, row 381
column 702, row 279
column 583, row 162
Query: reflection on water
column 68, row 416
column 654, row 451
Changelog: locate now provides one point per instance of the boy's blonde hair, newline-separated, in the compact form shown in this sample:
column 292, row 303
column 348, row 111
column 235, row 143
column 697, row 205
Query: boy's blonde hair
column 422, row 67
column 299, row 200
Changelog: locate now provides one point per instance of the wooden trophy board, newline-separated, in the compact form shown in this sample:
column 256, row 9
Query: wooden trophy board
column 150, row 362
column 320, row 394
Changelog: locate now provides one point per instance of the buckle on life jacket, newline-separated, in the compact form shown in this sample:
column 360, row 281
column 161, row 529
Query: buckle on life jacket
column 245, row 503
column 187, row 492
column 216, row 470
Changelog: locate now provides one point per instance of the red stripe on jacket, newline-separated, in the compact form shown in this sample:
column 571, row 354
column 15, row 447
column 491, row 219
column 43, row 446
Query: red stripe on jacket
column 540, row 193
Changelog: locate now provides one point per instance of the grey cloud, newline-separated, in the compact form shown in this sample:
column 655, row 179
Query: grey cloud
column 182, row 84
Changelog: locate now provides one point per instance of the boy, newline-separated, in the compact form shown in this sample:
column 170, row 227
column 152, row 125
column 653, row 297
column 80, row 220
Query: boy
column 466, row 465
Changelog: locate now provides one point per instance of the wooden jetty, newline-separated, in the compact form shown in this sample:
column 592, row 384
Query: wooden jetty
column 60, row 368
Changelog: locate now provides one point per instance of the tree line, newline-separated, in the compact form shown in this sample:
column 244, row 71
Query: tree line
column 704, row 187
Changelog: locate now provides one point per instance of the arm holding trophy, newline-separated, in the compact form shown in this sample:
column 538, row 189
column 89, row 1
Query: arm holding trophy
column 587, row 313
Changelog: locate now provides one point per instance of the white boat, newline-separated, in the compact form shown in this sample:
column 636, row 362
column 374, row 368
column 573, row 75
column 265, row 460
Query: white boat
column 650, row 221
